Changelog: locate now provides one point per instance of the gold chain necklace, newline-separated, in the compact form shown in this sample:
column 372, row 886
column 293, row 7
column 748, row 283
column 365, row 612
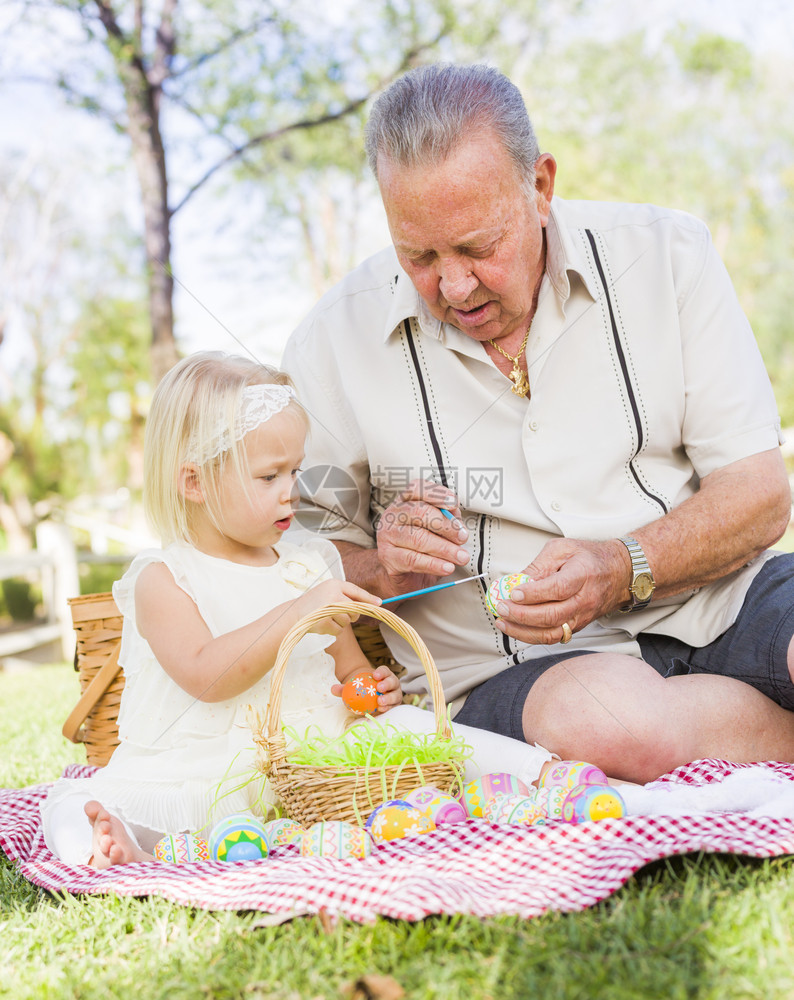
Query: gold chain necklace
column 518, row 377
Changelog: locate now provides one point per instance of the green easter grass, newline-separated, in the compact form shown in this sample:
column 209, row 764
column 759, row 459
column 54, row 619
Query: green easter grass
column 706, row 927
column 367, row 745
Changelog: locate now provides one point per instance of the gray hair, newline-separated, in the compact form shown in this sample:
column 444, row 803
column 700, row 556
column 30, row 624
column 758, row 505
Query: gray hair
column 426, row 113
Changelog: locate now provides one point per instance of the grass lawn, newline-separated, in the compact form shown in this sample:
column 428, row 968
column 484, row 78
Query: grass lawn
column 704, row 927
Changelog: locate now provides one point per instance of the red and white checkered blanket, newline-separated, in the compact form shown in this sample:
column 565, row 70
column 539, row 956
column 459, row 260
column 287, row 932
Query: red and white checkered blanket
column 470, row 867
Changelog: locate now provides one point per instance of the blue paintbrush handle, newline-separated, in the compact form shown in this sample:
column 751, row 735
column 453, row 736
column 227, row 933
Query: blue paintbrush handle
column 429, row 590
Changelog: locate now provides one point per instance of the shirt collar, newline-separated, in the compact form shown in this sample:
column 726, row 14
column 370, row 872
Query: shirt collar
column 564, row 256
column 407, row 303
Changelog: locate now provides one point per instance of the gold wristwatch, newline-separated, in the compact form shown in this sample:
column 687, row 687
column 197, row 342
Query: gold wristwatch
column 642, row 583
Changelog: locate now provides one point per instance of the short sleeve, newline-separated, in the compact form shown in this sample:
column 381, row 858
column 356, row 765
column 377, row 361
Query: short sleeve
column 731, row 411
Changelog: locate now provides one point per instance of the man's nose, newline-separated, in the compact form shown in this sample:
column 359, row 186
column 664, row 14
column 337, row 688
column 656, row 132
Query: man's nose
column 456, row 281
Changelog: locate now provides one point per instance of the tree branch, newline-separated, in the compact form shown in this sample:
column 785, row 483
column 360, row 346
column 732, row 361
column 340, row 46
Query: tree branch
column 138, row 21
column 408, row 59
column 108, row 18
column 165, row 45
column 258, row 140
column 227, row 43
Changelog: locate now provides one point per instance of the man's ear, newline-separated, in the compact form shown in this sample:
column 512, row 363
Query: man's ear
column 189, row 483
column 545, row 172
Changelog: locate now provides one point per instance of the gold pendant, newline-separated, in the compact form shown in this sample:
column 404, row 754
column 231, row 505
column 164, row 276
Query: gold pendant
column 520, row 381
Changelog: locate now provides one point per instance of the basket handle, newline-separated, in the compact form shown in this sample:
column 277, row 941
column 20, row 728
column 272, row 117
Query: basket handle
column 100, row 682
column 400, row 626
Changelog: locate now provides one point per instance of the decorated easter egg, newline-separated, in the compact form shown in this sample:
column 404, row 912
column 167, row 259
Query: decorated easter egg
column 476, row 793
column 437, row 805
column 360, row 693
column 396, row 803
column 572, row 772
column 393, row 820
column 514, row 809
column 279, row 832
column 239, row 837
column 550, row 799
column 592, row 802
column 181, row 848
column 501, row 589
column 335, row 839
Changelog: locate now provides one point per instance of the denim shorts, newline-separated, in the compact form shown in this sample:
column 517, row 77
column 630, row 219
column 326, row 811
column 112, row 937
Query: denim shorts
column 754, row 650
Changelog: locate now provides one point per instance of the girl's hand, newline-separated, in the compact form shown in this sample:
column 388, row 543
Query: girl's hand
column 388, row 685
column 390, row 693
column 333, row 592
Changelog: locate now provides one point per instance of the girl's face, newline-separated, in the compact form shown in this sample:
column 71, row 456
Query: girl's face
column 254, row 515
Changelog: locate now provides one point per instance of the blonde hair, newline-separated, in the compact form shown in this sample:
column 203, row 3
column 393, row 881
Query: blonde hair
column 185, row 411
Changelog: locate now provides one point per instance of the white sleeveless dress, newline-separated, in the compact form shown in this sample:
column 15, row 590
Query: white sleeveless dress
column 183, row 763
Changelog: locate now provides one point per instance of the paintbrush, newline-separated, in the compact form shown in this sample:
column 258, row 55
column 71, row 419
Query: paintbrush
column 429, row 590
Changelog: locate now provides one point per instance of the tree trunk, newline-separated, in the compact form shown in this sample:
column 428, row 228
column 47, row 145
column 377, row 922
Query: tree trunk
column 142, row 98
column 149, row 158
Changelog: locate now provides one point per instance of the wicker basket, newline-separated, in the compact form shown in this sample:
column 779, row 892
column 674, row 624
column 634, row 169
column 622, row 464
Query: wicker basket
column 97, row 622
column 310, row 793
column 93, row 721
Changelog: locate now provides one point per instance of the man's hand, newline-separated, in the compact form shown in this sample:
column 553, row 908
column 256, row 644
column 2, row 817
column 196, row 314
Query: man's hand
column 571, row 580
column 417, row 543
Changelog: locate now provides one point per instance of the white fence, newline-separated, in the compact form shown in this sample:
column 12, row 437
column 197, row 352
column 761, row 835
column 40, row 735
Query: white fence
column 54, row 564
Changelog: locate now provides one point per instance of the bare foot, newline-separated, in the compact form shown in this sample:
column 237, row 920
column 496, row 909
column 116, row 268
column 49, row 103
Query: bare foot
column 111, row 842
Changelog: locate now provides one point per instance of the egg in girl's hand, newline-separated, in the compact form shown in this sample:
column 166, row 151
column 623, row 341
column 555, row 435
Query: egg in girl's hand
column 360, row 693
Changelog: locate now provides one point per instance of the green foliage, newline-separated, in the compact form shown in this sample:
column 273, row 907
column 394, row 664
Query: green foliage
column 76, row 324
column 19, row 600
column 109, row 358
column 98, row 578
column 709, row 54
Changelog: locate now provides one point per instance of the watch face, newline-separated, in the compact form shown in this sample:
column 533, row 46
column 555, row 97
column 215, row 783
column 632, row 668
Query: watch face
column 643, row 586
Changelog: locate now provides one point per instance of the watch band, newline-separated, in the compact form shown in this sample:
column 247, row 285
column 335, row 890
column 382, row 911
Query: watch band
column 642, row 583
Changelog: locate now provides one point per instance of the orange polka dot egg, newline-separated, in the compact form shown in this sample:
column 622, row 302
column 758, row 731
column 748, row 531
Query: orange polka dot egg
column 360, row 693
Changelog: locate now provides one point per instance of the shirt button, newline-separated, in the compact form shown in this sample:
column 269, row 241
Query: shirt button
column 533, row 425
column 556, row 505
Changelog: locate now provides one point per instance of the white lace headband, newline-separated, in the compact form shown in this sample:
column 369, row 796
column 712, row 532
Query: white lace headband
column 258, row 403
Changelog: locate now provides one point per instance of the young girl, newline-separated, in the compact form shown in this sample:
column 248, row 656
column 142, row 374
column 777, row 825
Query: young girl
column 204, row 617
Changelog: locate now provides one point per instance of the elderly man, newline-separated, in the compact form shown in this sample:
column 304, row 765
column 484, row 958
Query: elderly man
column 576, row 385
